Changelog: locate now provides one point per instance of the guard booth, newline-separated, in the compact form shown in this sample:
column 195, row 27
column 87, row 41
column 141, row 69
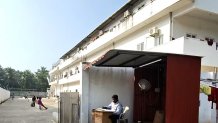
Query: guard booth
column 165, row 86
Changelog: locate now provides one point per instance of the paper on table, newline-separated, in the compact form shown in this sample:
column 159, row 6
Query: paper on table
column 106, row 110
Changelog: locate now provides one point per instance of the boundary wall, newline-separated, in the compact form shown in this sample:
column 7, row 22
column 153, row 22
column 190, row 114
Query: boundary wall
column 4, row 95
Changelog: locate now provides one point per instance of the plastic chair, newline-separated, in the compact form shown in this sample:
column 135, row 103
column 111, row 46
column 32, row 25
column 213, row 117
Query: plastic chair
column 122, row 118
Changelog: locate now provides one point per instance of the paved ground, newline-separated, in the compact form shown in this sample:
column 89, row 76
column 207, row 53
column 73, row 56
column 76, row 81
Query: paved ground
column 20, row 111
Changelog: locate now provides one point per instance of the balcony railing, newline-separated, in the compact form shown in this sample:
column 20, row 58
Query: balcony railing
column 191, row 46
column 53, row 82
column 136, row 20
column 55, row 69
column 202, row 48
column 69, row 79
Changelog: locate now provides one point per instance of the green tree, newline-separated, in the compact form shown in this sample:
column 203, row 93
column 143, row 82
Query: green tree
column 2, row 77
column 18, row 76
column 42, row 81
column 28, row 80
column 10, row 78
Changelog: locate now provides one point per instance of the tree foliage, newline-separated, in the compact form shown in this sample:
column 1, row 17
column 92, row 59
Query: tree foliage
column 42, row 81
column 11, row 78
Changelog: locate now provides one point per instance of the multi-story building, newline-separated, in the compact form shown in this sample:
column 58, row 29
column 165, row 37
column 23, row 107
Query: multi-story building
column 173, row 26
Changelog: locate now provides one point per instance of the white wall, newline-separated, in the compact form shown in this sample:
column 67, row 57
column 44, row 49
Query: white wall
column 71, row 87
column 57, row 89
column 188, row 24
column 152, row 9
column 130, row 42
column 206, row 114
column 201, row 48
column 191, row 46
column 175, row 46
column 4, row 95
column 106, row 81
column 208, row 75
column 98, row 54
column 202, row 28
column 67, row 87
column 84, row 103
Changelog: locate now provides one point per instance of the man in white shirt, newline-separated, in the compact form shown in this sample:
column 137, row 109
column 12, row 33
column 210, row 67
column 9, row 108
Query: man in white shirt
column 116, row 107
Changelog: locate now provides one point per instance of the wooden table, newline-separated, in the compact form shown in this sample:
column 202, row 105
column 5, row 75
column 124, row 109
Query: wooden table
column 101, row 116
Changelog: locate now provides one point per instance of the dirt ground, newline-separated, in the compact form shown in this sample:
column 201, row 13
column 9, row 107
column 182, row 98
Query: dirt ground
column 19, row 110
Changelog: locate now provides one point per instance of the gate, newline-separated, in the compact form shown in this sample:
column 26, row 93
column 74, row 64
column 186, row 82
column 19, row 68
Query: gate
column 69, row 107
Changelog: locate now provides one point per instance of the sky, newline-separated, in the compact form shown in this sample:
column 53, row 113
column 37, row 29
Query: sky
column 35, row 33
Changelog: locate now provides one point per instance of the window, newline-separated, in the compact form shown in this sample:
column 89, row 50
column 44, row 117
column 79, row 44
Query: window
column 71, row 72
column 65, row 75
column 189, row 35
column 209, row 41
column 61, row 76
column 118, row 26
column 140, row 46
column 141, row 6
column 111, row 30
column 158, row 40
column 76, row 70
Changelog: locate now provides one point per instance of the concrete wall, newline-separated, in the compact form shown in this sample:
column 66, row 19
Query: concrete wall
column 4, row 95
column 143, row 36
column 209, row 75
column 104, row 82
column 201, row 48
column 100, row 83
column 202, row 28
column 206, row 114
column 71, row 87
column 191, row 46
column 29, row 93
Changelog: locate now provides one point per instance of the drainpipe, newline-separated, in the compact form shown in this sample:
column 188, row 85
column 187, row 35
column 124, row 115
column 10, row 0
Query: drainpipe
column 171, row 25
column 215, row 76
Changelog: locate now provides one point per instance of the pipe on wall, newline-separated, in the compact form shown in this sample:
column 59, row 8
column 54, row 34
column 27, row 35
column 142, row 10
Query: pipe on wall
column 171, row 25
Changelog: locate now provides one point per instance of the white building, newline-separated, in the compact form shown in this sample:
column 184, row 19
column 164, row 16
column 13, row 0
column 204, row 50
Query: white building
column 173, row 26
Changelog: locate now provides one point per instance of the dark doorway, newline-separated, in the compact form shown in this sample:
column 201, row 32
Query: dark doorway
column 147, row 102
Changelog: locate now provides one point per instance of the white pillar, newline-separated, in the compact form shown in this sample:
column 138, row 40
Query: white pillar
column 84, row 95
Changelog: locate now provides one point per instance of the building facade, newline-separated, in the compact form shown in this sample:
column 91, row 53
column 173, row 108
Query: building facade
column 173, row 26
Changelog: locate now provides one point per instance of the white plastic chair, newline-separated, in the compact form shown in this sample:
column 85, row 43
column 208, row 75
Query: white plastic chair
column 122, row 118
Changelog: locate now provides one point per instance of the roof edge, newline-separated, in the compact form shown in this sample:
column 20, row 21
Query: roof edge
column 102, row 25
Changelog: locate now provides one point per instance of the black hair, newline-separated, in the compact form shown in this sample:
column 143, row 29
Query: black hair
column 115, row 96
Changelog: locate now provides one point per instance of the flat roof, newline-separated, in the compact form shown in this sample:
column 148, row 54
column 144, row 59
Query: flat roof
column 129, row 58
column 100, row 27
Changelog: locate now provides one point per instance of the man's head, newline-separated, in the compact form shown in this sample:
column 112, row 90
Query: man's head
column 115, row 98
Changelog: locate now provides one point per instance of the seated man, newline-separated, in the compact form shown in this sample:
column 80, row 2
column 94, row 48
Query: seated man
column 116, row 107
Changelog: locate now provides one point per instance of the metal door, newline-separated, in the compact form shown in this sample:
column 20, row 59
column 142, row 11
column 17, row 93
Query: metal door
column 69, row 107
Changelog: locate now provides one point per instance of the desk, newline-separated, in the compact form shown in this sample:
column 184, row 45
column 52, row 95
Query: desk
column 101, row 116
